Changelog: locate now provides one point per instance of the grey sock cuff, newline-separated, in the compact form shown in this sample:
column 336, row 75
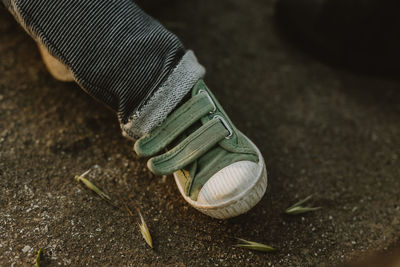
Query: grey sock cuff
column 182, row 79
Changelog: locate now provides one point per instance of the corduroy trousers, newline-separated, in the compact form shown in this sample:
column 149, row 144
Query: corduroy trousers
column 117, row 53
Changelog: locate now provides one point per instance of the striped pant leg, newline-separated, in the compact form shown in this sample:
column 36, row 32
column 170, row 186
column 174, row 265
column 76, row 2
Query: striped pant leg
column 117, row 53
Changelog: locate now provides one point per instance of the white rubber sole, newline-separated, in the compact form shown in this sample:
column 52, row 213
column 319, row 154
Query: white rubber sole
column 239, row 204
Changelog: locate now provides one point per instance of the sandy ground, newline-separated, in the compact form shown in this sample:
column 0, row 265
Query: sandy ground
column 323, row 131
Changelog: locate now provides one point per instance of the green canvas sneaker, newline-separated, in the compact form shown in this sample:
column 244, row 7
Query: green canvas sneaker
column 217, row 169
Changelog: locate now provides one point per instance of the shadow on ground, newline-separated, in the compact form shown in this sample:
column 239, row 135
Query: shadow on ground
column 322, row 131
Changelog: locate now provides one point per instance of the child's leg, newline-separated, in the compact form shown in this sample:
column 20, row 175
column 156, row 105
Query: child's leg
column 116, row 52
column 56, row 68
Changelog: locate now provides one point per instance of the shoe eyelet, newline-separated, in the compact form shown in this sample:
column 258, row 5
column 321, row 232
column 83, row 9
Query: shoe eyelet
column 226, row 125
column 210, row 99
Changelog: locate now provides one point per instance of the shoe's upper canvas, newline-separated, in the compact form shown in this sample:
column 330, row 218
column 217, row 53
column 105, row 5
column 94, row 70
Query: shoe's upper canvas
column 201, row 141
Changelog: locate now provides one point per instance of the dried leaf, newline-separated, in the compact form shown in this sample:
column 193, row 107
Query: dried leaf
column 145, row 230
column 301, row 210
column 301, row 201
column 254, row 246
column 37, row 261
column 91, row 186
column 298, row 209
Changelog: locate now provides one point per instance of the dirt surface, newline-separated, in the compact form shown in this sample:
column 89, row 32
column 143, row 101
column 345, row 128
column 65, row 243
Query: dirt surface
column 323, row 131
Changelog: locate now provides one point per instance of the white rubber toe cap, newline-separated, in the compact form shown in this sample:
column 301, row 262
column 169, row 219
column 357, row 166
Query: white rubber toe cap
column 231, row 191
column 229, row 183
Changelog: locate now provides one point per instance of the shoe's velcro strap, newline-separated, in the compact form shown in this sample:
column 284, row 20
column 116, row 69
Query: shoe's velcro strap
column 176, row 123
column 191, row 148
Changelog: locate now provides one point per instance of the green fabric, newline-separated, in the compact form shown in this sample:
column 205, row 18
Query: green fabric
column 190, row 112
column 202, row 147
column 190, row 149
